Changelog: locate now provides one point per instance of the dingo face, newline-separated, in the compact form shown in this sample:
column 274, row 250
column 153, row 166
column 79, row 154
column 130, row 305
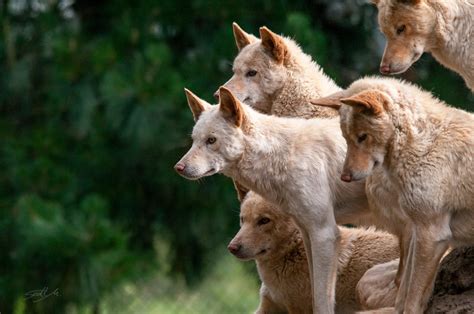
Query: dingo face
column 408, row 26
column 217, row 137
column 367, row 129
column 258, row 68
column 263, row 229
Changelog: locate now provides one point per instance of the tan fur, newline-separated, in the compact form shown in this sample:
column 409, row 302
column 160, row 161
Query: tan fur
column 377, row 289
column 292, row 163
column 370, row 100
column 278, row 249
column 286, row 78
column 420, row 157
column 443, row 28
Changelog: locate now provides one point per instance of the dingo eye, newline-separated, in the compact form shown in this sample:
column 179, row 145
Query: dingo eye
column 361, row 138
column 251, row 73
column 401, row 29
column 263, row 221
column 211, row 140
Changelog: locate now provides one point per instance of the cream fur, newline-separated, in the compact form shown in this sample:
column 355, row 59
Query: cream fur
column 282, row 89
column 425, row 178
column 277, row 247
column 376, row 289
column 293, row 163
column 443, row 28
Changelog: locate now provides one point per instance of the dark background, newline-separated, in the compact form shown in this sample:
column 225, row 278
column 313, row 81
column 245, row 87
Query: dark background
column 92, row 119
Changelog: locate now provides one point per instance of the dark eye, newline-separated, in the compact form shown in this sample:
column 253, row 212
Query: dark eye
column 401, row 29
column 361, row 138
column 251, row 73
column 211, row 140
column 263, row 221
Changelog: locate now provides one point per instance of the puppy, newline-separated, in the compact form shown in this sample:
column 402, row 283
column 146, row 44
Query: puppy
column 270, row 237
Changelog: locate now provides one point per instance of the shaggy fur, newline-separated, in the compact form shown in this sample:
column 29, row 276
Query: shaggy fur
column 443, row 28
column 276, row 77
column 292, row 163
column 376, row 289
column 419, row 154
column 270, row 237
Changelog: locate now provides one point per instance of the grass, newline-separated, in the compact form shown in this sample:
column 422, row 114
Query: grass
column 229, row 288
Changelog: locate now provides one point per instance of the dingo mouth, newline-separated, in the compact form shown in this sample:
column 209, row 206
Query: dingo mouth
column 403, row 69
column 246, row 257
column 197, row 177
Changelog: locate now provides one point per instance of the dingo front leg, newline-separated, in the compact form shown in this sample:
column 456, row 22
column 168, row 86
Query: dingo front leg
column 324, row 247
column 308, row 249
column 404, row 244
column 428, row 248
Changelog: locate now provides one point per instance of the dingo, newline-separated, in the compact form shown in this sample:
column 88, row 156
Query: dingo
column 271, row 238
column 418, row 155
column 290, row 162
column 274, row 76
column 444, row 28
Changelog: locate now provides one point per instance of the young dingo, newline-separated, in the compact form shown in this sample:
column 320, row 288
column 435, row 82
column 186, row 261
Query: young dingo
column 270, row 237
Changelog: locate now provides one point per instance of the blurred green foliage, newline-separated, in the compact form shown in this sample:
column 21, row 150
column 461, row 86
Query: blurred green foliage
column 93, row 117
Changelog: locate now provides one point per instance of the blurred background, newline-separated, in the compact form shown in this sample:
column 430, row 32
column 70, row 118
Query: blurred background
column 92, row 119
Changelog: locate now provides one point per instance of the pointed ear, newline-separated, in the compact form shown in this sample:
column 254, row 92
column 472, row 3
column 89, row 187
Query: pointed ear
column 242, row 39
column 372, row 101
column 196, row 104
column 241, row 190
column 327, row 102
column 230, row 107
column 332, row 101
column 273, row 43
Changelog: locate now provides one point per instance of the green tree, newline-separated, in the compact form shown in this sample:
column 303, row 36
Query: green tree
column 93, row 117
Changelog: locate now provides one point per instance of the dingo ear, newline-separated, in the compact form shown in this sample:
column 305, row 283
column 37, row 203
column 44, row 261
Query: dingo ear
column 372, row 100
column 230, row 107
column 327, row 102
column 242, row 39
column 241, row 190
column 196, row 104
column 273, row 43
column 332, row 101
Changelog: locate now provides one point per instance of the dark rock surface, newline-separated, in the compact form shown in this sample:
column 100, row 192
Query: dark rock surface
column 454, row 286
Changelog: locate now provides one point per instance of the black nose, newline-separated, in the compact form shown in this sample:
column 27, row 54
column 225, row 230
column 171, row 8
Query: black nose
column 234, row 248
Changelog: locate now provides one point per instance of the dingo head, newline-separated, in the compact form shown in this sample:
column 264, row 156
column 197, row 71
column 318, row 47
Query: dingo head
column 408, row 26
column 217, row 136
column 367, row 128
column 259, row 70
column 264, row 229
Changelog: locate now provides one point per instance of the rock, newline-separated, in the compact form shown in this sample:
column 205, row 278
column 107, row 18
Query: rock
column 454, row 285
